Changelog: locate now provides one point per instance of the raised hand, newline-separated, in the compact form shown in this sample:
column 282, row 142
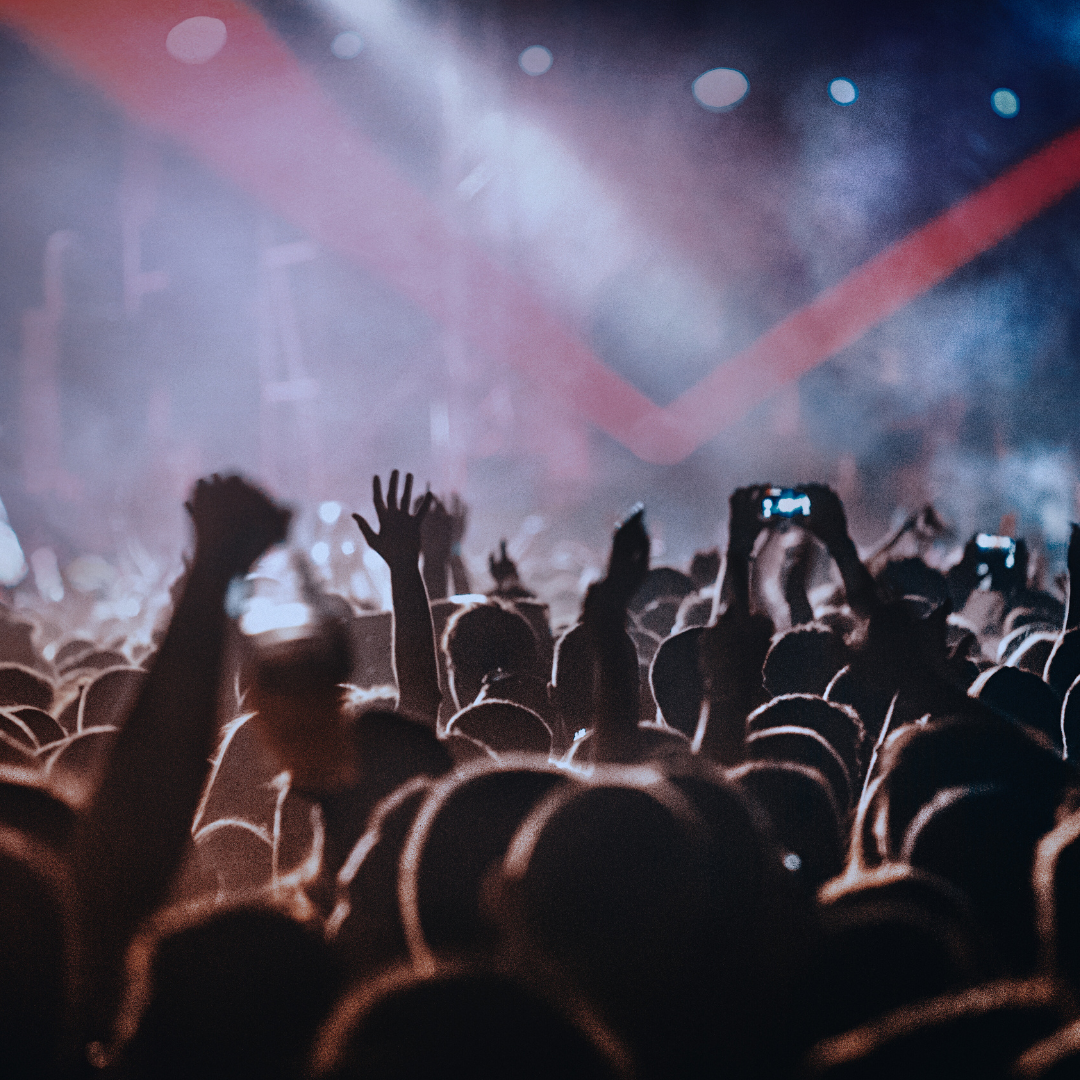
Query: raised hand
column 629, row 561
column 744, row 522
column 235, row 522
column 504, row 570
column 827, row 520
column 398, row 538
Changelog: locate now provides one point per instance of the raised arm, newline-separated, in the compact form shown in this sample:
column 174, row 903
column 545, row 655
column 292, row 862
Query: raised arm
column 132, row 838
column 733, row 646
column 616, row 705
column 398, row 543
column 1072, row 602
column 829, row 524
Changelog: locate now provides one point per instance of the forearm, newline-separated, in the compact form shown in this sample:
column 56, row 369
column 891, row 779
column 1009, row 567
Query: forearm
column 132, row 839
column 735, row 588
column 459, row 575
column 435, row 575
column 615, row 690
column 415, row 663
column 858, row 582
column 797, row 601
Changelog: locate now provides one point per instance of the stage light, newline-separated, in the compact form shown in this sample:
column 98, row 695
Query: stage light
column 1005, row 103
column 720, row 89
column 843, row 91
column 263, row 614
column 320, row 553
column 47, row 574
column 329, row 512
column 347, row 547
column 194, row 41
column 347, row 45
column 535, row 60
column 12, row 562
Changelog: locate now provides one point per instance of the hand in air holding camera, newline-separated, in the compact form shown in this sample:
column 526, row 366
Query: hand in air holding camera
column 744, row 520
column 827, row 520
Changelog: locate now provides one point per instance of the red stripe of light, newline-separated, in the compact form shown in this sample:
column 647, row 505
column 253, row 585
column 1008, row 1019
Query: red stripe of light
column 260, row 119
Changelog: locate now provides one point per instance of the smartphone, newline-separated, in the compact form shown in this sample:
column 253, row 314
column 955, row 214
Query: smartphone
column 783, row 503
column 1002, row 545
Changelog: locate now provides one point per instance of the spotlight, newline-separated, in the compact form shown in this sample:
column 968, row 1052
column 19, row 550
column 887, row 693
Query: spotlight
column 535, row 60
column 720, row 89
column 843, row 91
column 1005, row 103
column 329, row 512
column 347, row 45
column 194, row 41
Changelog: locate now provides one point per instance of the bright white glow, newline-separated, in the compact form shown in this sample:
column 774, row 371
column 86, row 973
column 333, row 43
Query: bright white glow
column 792, row 861
column 320, row 553
column 1005, row 103
column 128, row 608
column 525, row 192
column 90, row 573
column 197, row 40
column 12, row 561
column 720, row 89
column 785, row 504
column 360, row 584
column 329, row 512
column 49, row 651
column 263, row 614
column 347, row 547
column 843, row 91
column 347, row 45
column 440, row 423
column 379, row 575
column 535, row 60
column 47, row 574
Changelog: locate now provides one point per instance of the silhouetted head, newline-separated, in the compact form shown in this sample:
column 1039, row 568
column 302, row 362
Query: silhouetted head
column 839, row 725
column 982, row 838
column 504, row 727
column 890, row 938
column 572, row 676
column 919, row 760
column 802, row 746
column 804, row 660
column 1056, row 878
column 459, row 1022
column 485, row 638
column 460, row 832
column 912, row 577
column 677, row 684
column 39, row 956
column 704, row 567
column 1022, row 697
column 804, row 815
column 237, row 994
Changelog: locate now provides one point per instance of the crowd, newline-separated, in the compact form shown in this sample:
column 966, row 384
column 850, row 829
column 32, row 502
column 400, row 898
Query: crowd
column 795, row 813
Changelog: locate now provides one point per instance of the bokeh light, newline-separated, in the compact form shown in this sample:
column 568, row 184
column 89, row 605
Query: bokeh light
column 535, row 60
column 843, row 91
column 329, row 512
column 720, row 89
column 347, row 45
column 1005, row 103
column 196, row 40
